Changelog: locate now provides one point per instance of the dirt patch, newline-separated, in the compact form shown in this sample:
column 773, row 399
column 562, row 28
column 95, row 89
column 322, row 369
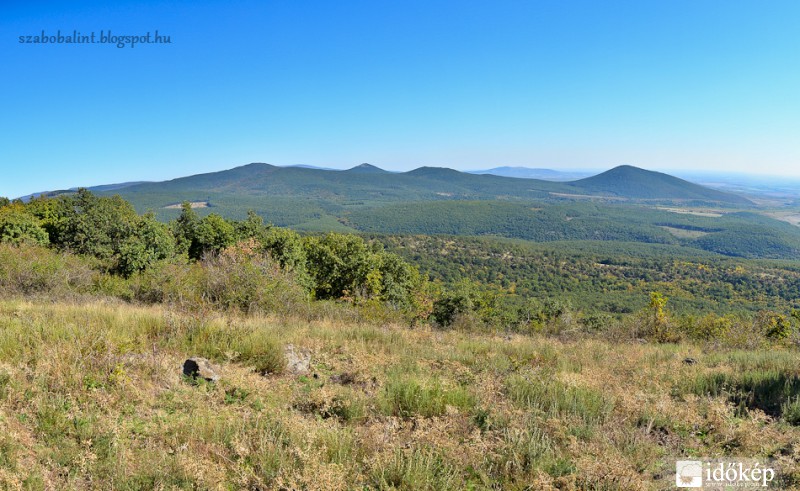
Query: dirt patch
column 684, row 233
column 193, row 204
column 792, row 217
column 687, row 211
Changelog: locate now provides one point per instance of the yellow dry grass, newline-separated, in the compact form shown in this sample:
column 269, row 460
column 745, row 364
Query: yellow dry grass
column 91, row 397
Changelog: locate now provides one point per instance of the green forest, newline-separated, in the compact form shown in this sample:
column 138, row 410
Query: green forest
column 491, row 282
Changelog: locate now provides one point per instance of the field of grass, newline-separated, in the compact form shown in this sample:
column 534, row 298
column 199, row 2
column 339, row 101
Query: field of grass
column 92, row 397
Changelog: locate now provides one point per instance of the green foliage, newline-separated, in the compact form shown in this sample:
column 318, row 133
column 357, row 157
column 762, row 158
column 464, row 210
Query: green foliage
column 775, row 326
column 183, row 228
column 398, row 280
column 287, row 248
column 150, row 242
column 345, row 266
column 461, row 299
column 707, row 328
column 17, row 225
column 108, row 229
column 212, row 234
column 251, row 228
column 341, row 266
column 91, row 225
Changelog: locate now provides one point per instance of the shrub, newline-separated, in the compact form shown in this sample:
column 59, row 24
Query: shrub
column 459, row 300
column 790, row 410
column 28, row 269
column 708, row 328
column 18, row 226
column 775, row 326
column 237, row 279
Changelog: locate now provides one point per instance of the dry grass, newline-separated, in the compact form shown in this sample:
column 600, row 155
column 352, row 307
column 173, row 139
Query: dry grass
column 91, row 397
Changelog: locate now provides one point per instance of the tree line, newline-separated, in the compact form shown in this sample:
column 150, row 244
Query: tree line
column 124, row 243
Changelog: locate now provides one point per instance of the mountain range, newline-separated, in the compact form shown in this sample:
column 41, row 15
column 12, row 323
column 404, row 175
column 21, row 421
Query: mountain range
column 366, row 183
column 623, row 204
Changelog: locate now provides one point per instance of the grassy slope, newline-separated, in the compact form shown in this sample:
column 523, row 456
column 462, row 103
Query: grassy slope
column 91, row 398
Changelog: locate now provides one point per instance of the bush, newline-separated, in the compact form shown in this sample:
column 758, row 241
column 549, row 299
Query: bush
column 708, row 328
column 775, row 326
column 28, row 269
column 237, row 279
column 790, row 410
column 458, row 301
column 18, row 226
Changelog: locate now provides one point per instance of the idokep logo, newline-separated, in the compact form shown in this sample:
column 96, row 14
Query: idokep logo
column 723, row 474
column 689, row 474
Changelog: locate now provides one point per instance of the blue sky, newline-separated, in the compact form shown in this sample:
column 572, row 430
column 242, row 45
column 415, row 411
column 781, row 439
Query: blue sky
column 469, row 85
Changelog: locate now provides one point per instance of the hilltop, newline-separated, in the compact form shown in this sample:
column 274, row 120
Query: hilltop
column 635, row 183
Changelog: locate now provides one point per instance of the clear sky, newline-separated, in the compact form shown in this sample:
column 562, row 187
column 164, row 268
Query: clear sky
column 666, row 84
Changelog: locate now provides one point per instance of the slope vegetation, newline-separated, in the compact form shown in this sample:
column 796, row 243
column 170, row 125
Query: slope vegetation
column 631, row 182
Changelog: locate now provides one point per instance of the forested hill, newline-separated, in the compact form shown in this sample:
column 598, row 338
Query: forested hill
column 631, row 182
column 366, row 184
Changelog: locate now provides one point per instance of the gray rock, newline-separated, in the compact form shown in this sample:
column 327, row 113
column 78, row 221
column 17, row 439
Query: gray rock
column 297, row 361
column 196, row 367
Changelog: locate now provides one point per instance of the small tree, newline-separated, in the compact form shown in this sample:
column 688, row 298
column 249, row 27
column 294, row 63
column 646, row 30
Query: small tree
column 776, row 326
column 17, row 226
column 212, row 234
column 252, row 227
column 151, row 241
column 658, row 323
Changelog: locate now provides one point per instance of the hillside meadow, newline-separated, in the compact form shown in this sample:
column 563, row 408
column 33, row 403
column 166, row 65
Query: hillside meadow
column 412, row 381
column 92, row 397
